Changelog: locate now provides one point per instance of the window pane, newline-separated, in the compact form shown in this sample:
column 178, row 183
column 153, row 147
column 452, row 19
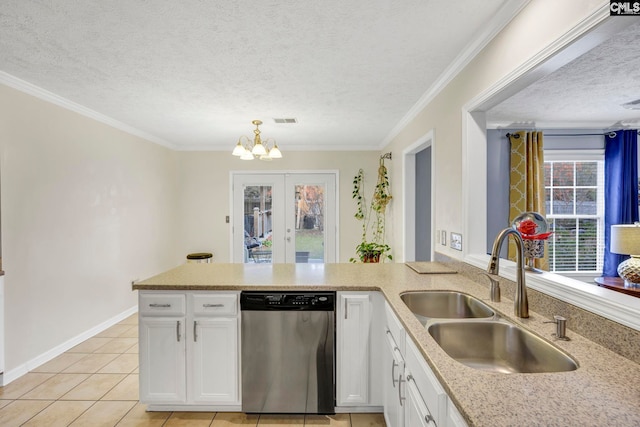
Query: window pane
column 257, row 223
column 547, row 200
column 309, row 214
column 586, row 174
column 547, row 174
column 562, row 201
column 587, row 244
column 563, row 173
column 564, row 239
column 586, row 201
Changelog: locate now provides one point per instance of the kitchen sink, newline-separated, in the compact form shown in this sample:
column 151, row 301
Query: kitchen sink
column 427, row 305
column 499, row 346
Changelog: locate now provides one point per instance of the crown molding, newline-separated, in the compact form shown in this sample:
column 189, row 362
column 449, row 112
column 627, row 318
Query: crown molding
column 40, row 93
column 506, row 13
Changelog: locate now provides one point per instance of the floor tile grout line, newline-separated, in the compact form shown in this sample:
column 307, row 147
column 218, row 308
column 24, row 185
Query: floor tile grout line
column 37, row 413
column 34, row 387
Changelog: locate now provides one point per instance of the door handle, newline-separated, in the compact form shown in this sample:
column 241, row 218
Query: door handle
column 178, row 331
column 400, row 381
column 195, row 331
column 393, row 372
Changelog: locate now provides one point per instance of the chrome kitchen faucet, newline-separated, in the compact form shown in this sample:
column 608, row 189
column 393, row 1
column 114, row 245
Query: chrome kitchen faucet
column 520, row 302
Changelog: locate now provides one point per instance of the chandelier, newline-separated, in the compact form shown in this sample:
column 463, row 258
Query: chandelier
column 247, row 149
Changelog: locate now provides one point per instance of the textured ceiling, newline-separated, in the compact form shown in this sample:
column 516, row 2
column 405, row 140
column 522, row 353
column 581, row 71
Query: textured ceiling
column 585, row 93
column 193, row 74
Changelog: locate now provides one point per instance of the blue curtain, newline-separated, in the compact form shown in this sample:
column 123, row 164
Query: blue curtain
column 621, row 190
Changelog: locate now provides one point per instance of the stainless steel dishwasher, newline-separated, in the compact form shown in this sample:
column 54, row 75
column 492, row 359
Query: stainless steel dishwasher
column 288, row 361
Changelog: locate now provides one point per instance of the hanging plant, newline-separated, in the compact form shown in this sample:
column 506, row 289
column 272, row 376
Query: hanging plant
column 373, row 217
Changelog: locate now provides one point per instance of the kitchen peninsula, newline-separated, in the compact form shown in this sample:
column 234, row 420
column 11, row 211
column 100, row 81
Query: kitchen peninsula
column 604, row 390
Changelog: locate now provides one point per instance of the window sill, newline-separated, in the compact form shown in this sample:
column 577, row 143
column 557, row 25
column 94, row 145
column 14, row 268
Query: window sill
column 621, row 308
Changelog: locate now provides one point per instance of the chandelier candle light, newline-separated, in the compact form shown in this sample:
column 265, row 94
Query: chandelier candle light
column 248, row 149
column 625, row 240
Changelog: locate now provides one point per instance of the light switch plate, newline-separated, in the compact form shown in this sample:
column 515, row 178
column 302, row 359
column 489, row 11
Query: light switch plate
column 456, row 241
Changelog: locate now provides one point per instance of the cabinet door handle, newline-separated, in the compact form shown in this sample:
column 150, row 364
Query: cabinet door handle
column 400, row 381
column 345, row 309
column 178, row 331
column 156, row 305
column 213, row 305
column 429, row 419
column 195, row 331
column 393, row 372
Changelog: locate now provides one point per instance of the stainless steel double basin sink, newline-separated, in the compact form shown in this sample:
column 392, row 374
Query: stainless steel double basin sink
column 470, row 332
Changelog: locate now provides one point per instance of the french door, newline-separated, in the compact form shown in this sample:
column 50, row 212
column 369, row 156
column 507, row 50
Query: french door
column 284, row 217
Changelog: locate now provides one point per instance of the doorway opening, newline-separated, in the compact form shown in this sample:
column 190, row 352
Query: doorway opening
column 418, row 196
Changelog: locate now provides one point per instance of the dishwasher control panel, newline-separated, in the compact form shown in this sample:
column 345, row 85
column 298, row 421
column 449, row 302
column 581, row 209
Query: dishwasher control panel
column 320, row 301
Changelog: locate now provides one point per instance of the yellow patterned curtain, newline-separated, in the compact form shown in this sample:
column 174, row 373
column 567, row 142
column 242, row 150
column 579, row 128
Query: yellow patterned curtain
column 526, row 193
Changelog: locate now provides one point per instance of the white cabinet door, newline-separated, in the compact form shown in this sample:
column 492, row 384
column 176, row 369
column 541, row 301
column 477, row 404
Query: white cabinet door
column 416, row 412
column 162, row 360
column 353, row 348
column 454, row 417
column 393, row 388
column 423, row 378
column 213, row 363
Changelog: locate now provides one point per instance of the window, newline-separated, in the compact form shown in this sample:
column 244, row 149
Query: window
column 574, row 194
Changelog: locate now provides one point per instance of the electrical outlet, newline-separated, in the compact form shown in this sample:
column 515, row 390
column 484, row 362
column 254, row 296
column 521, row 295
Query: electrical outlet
column 443, row 237
column 456, row 241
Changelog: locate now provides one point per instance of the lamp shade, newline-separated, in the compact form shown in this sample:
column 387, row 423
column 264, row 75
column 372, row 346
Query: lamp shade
column 625, row 239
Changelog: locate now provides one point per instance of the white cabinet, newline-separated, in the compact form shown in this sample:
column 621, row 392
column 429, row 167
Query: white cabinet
column 213, row 365
column 454, row 417
column 413, row 396
column 162, row 348
column 189, row 348
column 429, row 389
column 393, row 384
column 416, row 412
column 353, row 348
column 393, row 370
column 162, row 360
column 358, row 344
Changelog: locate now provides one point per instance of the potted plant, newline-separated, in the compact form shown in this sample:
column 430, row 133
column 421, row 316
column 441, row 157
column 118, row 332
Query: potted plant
column 373, row 216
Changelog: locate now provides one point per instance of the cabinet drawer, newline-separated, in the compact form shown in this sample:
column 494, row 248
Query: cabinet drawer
column 394, row 327
column 428, row 385
column 159, row 304
column 215, row 304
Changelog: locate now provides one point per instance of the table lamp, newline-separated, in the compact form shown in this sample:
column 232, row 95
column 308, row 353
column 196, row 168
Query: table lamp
column 625, row 240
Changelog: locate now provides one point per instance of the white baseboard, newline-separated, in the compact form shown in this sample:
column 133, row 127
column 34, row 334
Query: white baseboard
column 13, row 374
column 359, row 409
column 193, row 408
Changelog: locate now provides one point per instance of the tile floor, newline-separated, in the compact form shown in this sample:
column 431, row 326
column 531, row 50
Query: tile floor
column 96, row 384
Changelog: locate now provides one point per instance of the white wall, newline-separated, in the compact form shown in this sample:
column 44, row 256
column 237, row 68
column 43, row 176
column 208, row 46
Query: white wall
column 204, row 197
column 85, row 210
column 537, row 26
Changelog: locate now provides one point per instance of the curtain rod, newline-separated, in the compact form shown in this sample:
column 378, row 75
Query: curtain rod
column 609, row 134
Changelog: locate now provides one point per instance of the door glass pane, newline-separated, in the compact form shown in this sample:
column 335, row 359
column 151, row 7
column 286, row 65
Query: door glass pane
column 257, row 223
column 309, row 216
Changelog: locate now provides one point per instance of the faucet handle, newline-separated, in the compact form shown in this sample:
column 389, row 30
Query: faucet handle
column 561, row 327
column 494, row 290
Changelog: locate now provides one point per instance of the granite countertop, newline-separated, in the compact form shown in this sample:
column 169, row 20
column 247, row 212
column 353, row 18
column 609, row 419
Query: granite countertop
column 604, row 390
